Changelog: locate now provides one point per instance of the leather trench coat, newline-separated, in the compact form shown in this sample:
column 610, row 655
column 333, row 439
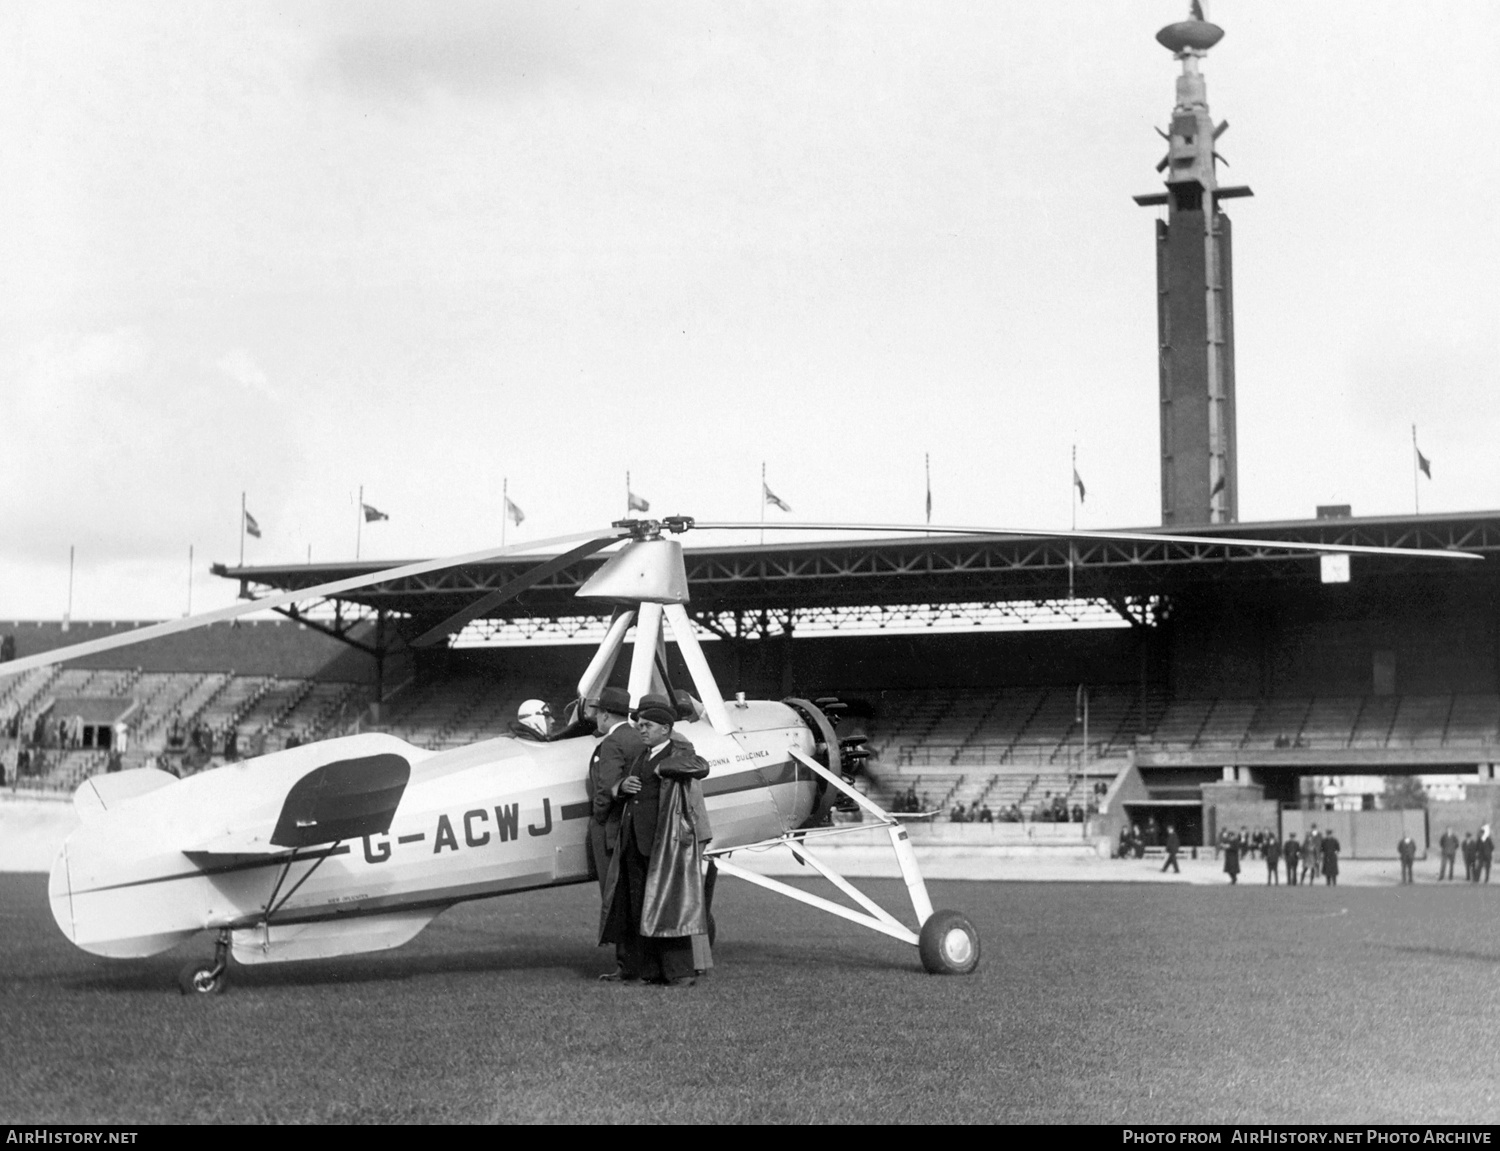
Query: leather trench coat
column 674, row 897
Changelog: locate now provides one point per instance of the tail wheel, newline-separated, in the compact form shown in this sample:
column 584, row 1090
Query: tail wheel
column 948, row 944
column 205, row 977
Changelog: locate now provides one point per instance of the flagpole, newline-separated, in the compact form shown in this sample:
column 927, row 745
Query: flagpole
column 504, row 506
column 1073, row 499
column 359, row 520
column 1416, row 487
column 927, row 468
column 242, row 529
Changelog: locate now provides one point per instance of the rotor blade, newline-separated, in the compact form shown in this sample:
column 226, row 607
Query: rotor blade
column 460, row 619
column 1126, row 537
column 353, row 583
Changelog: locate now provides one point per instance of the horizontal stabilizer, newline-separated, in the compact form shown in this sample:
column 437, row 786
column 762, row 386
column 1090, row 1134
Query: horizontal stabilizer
column 101, row 793
column 241, row 842
column 351, row 935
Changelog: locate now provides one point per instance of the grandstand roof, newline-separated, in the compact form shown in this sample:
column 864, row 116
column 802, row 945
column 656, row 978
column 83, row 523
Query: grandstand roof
column 939, row 569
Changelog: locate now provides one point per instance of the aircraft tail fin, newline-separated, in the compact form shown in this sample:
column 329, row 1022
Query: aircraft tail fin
column 100, row 793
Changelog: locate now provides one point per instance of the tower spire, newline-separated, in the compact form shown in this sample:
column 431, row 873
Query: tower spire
column 1195, row 314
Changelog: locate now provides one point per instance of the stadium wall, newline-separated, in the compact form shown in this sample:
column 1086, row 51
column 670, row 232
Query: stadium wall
column 246, row 647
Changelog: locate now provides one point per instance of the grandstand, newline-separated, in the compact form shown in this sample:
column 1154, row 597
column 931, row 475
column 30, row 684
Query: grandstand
column 1228, row 678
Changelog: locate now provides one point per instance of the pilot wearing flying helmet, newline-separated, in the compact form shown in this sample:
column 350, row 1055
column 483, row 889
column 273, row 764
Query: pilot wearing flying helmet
column 533, row 720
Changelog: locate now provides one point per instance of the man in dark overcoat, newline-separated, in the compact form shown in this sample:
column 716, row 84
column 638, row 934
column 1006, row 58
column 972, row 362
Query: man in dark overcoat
column 1174, row 845
column 1406, row 848
column 1292, row 850
column 1470, row 851
column 1271, row 849
column 620, row 746
column 610, row 763
column 1448, row 848
column 1484, row 853
column 1330, row 848
column 654, row 901
column 1312, row 854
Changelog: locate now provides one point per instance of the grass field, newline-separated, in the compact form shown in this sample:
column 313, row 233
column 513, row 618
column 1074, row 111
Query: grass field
column 1094, row 1003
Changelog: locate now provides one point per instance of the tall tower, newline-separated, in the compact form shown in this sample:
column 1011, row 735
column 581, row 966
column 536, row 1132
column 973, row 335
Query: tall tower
column 1194, row 300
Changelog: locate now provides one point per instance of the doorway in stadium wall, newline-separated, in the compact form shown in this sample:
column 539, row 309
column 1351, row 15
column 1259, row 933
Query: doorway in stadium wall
column 1153, row 817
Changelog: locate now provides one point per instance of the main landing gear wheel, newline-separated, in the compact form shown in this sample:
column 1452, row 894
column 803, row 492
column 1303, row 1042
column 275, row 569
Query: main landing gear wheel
column 948, row 944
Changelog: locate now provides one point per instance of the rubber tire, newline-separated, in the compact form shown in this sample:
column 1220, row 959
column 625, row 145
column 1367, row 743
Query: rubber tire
column 948, row 944
column 197, row 979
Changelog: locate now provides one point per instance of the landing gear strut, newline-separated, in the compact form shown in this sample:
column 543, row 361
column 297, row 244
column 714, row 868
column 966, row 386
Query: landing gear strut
column 207, row 977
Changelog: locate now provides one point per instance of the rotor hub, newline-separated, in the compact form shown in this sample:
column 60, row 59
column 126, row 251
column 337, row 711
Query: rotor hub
column 652, row 529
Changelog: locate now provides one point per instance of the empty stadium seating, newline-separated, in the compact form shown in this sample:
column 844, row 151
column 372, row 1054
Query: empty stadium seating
column 1330, row 722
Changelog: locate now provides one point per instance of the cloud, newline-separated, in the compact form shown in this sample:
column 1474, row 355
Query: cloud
column 404, row 52
column 129, row 450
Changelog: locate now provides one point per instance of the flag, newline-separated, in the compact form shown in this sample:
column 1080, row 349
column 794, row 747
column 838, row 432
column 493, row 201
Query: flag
column 251, row 527
column 517, row 516
column 1078, row 483
column 773, row 499
column 1424, row 463
column 635, row 503
column 1219, row 485
column 373, row 514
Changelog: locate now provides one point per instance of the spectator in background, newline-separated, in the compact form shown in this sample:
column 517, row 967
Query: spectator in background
column 1174, row 845
column 1484, row 853
column 1270, row 850
column 1312, row 854
column 1330, row 848
column 1406, row 848
column 1232, row 858
column 1292, row 850
column 986, row 815
column 1470, row 851
column 1077, row 813
column 1448, row 849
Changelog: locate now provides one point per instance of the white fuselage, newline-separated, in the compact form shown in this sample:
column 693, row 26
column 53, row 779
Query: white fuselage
column 143, row 874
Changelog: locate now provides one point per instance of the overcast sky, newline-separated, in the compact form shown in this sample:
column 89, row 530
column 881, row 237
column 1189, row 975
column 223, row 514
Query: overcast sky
column 296, row 249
